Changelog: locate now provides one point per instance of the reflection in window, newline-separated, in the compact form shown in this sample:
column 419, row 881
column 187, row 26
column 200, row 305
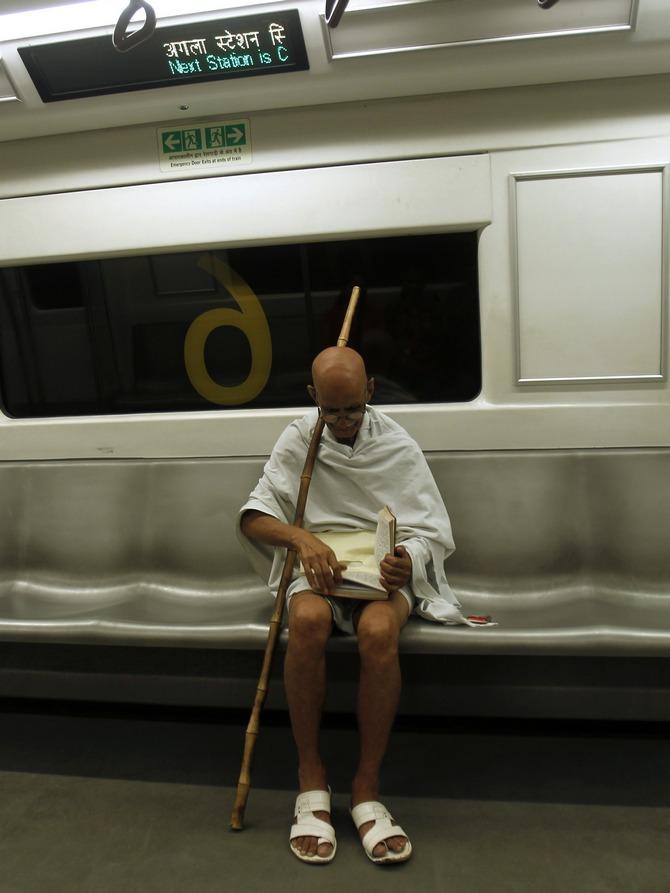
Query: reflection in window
column 108, row 335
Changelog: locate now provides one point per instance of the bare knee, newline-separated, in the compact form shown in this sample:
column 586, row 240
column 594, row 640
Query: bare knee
column 378, row 635
column 310, row 620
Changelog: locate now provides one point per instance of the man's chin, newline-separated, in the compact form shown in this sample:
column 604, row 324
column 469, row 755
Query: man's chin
column 345, row 433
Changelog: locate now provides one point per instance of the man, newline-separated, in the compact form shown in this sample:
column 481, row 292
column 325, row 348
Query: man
column 364, row 462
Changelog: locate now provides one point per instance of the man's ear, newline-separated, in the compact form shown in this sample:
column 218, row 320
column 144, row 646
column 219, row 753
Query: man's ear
column 371, row 389
column 311, row 390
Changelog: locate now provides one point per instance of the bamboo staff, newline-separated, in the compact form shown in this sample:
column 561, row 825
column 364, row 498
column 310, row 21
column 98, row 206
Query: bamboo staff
column 244, row 781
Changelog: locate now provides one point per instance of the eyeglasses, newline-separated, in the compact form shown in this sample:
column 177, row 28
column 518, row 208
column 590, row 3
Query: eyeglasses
column 352, row 415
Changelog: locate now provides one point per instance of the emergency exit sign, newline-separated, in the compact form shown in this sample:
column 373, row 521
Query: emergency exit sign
column 208, row 147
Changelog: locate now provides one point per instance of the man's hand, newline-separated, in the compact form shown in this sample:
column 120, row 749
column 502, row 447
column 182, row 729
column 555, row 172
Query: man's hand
column 319, row 562
column 396, row 569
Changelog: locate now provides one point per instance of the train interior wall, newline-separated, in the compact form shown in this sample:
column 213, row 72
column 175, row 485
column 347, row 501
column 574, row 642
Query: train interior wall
column 491, row 163
column 511, row 164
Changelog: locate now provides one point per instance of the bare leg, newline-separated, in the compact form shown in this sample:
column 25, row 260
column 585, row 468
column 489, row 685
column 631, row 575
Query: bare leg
column 378, row 633
column 310, row 625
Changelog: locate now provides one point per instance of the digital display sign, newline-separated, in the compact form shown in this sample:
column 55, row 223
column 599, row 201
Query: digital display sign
column 213, row 50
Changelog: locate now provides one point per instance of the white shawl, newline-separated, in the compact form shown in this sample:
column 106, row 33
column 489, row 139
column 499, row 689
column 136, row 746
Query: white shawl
column 349, row 486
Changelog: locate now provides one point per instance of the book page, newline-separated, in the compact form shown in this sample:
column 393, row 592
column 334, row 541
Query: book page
column 385, row 538
column 356, row 549
column 362, row 551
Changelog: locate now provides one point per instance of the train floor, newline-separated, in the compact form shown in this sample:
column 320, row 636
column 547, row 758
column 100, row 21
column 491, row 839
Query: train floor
column 105, row 799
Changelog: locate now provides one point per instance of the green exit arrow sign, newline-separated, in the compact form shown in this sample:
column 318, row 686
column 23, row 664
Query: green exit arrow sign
column 172, row 141
column 236, row 135
column 213, row 146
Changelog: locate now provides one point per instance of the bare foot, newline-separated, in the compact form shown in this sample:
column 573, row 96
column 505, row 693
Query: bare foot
column 309, row 846
column 394, row 844
column 366, row 793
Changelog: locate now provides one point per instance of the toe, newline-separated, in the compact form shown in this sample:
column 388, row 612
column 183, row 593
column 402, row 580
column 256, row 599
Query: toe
column 310, row 846
column 397, row 844
column 324, row 849
column 391, row 844
column 379, row 850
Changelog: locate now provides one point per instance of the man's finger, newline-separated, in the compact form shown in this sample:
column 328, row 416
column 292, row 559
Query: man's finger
column 387, row 568
column 396, row 559
column 331, row 571
column 397, row 566
column 337, row 569
column 326, row 575
column 319, row 579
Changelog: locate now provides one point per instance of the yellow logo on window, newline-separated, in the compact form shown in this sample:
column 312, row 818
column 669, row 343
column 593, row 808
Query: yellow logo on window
column 250, row 319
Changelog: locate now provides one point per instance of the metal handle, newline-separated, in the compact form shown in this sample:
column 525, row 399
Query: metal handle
column 122, row 40
column 335, row 11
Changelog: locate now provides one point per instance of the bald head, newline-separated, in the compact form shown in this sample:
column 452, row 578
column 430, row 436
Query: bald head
column 341, row 389
column 338, row 364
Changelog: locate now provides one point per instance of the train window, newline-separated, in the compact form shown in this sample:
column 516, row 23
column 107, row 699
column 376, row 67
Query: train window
column 235, row 328
column 54, row 286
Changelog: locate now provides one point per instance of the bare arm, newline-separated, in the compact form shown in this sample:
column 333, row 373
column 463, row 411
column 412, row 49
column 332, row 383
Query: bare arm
column 319, row 562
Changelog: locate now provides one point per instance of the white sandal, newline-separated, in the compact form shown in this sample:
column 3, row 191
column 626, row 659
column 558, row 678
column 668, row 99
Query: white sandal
column 384, row 827
column 308, row 825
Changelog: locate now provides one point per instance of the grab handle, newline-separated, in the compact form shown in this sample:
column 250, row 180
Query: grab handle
column 124, row 41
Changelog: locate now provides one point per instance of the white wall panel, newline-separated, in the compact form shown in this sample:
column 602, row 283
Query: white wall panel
column 644, row 337
column 591, row 275
column 417, row 24
column 428, row 195
column 461, row 124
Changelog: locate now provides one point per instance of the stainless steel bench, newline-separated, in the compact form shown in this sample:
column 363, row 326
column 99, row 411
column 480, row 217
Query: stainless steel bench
column 568, row 550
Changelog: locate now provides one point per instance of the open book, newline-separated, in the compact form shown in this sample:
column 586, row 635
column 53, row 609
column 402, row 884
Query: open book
column 363, row 551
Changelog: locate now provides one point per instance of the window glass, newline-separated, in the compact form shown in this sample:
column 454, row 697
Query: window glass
column 238, row 328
